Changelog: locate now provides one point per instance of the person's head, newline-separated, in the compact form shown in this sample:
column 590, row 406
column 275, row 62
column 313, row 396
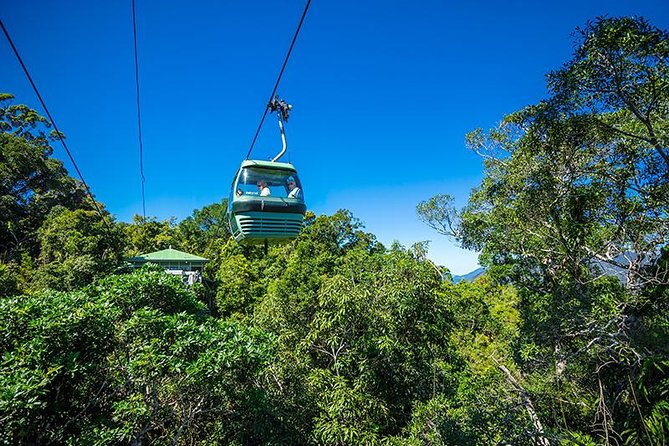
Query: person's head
column 290, row 182
column 261, row 184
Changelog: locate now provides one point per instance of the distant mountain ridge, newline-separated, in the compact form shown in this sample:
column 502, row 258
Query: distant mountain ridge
column 469, row 277
column 617, row 268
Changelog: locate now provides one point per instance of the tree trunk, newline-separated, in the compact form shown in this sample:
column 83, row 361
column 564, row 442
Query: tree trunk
column 527, row 404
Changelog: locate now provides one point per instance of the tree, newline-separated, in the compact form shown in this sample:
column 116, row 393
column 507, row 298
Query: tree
column 182, row 380
column 618, row 78
column 574, row 210
column 134, row 359
column 206, row 233
column 76, row 247
column 31, row 182
column 8, row 283
column 202, row 232
column 360, row 334
column 584, row 171
column 147, row 234
column 440, row 214
column 54, row 367
column 239, row 280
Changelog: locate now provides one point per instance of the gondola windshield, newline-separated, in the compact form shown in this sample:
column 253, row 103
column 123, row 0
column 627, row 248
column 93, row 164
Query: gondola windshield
column 279, row 184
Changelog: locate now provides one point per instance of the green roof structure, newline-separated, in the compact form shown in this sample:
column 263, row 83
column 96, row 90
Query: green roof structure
column 269, row 165
column 170, row 259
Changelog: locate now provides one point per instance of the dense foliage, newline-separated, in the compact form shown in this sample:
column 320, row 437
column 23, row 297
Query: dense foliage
column 573, row 210
column 335, row 339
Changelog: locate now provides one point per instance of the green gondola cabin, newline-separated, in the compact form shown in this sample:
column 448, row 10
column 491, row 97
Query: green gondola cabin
column 266, row 202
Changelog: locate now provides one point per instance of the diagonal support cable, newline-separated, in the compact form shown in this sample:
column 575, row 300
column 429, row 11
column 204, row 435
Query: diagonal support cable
column 139, row 110
column 276, row 85
column 51, row 120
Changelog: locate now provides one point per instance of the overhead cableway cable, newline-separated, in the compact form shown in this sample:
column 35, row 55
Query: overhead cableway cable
column 51, row 120
column 276, row 85
column 139, row 113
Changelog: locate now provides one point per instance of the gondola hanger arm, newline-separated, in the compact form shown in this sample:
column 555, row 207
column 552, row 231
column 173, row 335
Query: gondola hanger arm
column 282, row 109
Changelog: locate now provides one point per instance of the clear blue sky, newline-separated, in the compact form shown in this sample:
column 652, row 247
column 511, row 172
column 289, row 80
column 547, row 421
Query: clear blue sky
column 383, row 92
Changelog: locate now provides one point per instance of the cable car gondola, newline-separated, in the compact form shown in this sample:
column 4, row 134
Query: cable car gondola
column 266, row 202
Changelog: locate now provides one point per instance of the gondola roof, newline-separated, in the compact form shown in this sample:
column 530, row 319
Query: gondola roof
column 269, row 164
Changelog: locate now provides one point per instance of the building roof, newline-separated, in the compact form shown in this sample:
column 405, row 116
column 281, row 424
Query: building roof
column 167, row 255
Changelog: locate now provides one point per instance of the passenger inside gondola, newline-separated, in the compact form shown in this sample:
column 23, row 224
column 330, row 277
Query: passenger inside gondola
column 265, row 183
column 264, row 190
column 293, row 190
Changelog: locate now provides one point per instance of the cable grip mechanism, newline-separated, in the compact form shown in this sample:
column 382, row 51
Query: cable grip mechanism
column 281, row 107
